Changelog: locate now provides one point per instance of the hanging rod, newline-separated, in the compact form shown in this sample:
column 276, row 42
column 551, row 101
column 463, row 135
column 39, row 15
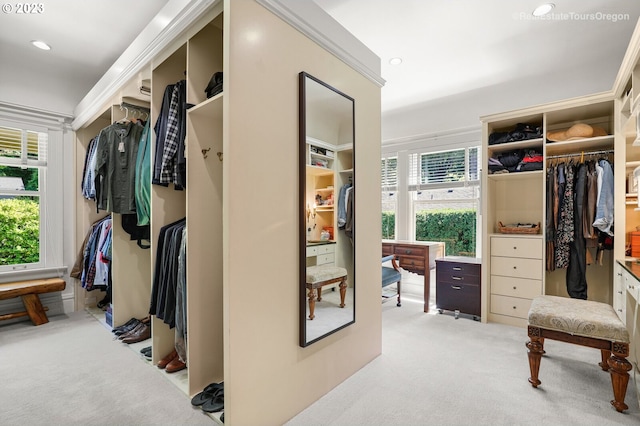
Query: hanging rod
column 578, row 154
column 132, row 106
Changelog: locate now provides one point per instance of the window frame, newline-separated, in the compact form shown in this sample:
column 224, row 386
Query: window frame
column 51, row 194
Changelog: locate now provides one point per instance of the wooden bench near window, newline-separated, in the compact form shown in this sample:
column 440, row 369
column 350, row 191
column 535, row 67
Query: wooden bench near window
column 29, row 291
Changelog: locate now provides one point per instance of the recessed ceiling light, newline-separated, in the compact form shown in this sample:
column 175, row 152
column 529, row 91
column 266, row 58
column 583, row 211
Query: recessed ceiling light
column 543, row 9
column 40, row 44
column 395, row 61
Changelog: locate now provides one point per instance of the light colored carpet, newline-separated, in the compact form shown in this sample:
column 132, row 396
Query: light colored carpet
column 70, row 372
column 436, row 370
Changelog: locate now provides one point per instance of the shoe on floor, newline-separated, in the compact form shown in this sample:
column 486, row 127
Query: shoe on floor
column 140, row 334
column 167, row 359
column 175, row 365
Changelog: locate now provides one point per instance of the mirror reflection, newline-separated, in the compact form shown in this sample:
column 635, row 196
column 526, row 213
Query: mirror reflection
column 327, row 296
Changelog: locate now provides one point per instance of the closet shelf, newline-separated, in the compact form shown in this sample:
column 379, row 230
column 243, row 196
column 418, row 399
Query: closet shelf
column 202, row 106
column 510, row 146
column 346, row 171
column 328, row 189
column 579, row 145
column 517, row 175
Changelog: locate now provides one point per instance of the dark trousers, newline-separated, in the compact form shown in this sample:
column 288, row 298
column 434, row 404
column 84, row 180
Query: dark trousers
column 577, row 269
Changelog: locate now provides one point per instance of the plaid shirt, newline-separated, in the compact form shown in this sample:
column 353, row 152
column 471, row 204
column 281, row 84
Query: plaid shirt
column 168, row 171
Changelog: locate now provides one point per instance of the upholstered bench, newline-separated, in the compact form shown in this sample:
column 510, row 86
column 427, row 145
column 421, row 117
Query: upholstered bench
column 29, row 291
column 321, row 275
column 584, row 323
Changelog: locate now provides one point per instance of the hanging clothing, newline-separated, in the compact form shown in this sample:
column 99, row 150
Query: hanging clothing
column 93, row 263
column 576, row 280
column 170, row 165
column 565, row 228
column 88, row 186
column 143, row 178
column 350, row 201
column 165, row 279
column 181, row 301
column 342, row 206
column 604, row 210
column 550, row 226
column 115, row 167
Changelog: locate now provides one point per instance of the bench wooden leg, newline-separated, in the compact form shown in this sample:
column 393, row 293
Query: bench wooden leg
column 536, row 349
column 34, row 308
column 343, row 291
column 604, row 364
column 619, row 374
column 312, row 303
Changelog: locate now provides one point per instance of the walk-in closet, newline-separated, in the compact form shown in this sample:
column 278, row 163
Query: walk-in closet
column 239, row 160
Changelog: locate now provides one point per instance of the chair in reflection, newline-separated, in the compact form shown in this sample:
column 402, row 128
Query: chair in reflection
column 321, row 275
column 391, row 275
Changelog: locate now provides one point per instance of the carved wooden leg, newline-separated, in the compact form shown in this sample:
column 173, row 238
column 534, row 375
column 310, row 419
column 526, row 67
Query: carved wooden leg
column 343, row 291
column 604, row 364
column 34, row 309
column 535, row 346
column 319, row 297
column 619, row 367
column 312, row 303
column 399, row 303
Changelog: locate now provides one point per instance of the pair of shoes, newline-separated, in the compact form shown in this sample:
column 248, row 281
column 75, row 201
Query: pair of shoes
column 215, row 404
column 175, row 365
column 146, row 353
column 141, row 332
column 130, row 325
column 172, row 363
column 126, row 327
column 207, row 393
column 211, row 399
column 167, row 359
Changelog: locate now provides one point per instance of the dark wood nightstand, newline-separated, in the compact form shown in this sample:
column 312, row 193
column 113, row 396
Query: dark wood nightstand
column 458, row 285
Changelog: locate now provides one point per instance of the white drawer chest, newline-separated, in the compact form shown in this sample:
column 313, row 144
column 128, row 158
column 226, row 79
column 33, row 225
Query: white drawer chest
column 516, row 277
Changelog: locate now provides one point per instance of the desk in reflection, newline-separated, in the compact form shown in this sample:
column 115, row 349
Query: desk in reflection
column 418, row 257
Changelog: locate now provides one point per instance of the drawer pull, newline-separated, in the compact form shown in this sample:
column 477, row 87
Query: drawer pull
column 456, row 278
column 514, row 307
column 515, row 267
column 407, row 252
column 456, row 287
column 457, row 268
column 619, row 274
column 514, row 287
column 619, row 310
column 515, row 248
column 619, row 291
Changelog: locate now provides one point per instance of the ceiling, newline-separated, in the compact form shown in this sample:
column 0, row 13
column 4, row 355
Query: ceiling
column 86, row 39
column 448, row 47
column 454, row 46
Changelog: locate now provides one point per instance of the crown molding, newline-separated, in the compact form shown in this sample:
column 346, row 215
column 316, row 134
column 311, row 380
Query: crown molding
column 312, row 21
column 180, row 14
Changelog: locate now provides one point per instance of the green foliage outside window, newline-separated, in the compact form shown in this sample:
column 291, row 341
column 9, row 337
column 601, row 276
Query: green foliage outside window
column 19, row 231
column 388, row 226
column 456, row 228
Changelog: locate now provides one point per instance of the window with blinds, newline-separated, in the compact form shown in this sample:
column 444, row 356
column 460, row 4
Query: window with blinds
column 458, row 167
column 389, row 174
column 22, row 147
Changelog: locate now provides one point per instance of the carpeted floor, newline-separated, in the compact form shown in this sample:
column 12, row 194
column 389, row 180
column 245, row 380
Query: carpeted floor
column 433, row 370
column 70, row 372
column 436, row 370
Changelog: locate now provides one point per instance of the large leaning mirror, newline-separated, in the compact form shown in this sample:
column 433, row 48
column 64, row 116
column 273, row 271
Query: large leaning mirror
column 326, row 202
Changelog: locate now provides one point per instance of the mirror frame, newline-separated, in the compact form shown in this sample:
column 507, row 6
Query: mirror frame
column 302, row 219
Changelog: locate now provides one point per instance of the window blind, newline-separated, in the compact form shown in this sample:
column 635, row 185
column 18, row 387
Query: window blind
column 443, row 169
column 22, row 147
column 389, row 174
